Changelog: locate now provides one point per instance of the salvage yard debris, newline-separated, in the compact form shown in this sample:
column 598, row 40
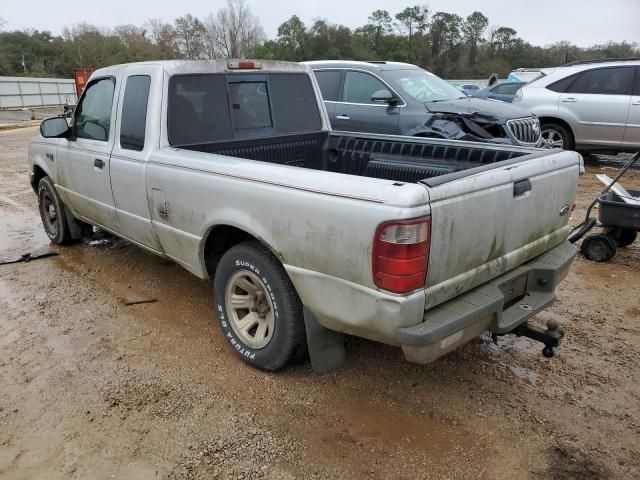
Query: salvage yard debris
column 27, row 257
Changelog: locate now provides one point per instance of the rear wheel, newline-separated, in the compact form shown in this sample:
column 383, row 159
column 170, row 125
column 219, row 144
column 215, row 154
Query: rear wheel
column 623, row 236
column 555, row 135
column 258, row 308
column 599, row 247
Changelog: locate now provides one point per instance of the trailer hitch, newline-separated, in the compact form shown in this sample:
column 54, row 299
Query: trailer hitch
column 551, row 337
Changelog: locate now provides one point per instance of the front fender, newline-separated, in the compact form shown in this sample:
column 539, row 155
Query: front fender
column 37, row 158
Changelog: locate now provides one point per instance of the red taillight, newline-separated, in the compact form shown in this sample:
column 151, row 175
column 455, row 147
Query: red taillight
column 401, row 254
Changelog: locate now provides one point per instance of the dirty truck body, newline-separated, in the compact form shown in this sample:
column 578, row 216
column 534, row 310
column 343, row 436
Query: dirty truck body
column 231, row 171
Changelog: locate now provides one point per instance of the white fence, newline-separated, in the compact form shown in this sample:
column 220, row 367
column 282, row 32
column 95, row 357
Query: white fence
column 25, row 92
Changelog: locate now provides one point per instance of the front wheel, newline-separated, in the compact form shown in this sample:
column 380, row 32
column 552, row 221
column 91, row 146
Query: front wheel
column 53, row 213
column 555, row 135
column 258, row 308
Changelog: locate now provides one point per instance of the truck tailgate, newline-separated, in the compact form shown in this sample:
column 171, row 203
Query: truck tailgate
column 488, row 223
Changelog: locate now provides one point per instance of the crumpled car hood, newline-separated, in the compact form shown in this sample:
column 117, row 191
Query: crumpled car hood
column 491, row 110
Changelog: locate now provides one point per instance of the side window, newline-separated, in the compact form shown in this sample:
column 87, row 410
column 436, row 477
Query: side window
column 198, row 109
column 134, row 112
column 507, row 88
column 604, row 81
column 93, row 115
column 359, row 86
column 329, row 81
column 250, row 105
column 561, row 85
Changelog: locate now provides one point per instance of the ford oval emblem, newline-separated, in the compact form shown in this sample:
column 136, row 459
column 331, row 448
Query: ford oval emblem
column 564, row 210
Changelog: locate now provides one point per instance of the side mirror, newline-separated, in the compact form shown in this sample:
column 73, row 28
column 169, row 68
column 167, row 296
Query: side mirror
column 56, row 127
column 384, row 96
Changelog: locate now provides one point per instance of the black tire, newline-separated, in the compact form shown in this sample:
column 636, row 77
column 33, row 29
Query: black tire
column 599, row 247
column 560, row 130
column 53, row 214
column 623, row 236
column 287, row 337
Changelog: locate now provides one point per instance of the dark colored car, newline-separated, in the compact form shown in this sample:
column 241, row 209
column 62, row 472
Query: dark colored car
column 402, row 99
column 504, row 91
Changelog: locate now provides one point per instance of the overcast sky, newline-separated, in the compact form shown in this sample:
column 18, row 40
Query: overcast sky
column 583, row 22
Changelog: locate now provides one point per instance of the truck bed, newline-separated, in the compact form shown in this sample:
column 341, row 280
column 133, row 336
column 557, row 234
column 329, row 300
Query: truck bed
column 387, row 157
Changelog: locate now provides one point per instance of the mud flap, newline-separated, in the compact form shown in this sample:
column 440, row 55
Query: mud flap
column 326, row 347
column 75, row 228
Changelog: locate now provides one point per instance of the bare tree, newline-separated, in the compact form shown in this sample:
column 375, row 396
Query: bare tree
column 163, row 36
column 234, row 32
column 3, row 22
column 190, row 37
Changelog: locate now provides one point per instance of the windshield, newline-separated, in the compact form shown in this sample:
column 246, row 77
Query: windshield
column 422, row 85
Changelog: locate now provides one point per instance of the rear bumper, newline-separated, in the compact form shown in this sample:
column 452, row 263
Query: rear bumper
column 500, row 306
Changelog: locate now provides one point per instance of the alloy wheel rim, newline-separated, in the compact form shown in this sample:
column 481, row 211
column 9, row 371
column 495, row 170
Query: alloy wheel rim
column 250, row 309
column 552, row 138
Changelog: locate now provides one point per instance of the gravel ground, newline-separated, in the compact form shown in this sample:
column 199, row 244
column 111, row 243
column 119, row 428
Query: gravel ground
column 92, row 388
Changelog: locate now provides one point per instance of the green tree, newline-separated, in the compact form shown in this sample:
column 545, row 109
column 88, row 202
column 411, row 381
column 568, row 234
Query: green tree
column 411, row 19
column 292, row 39
column 444, row 32
column 473, row 30
column 380, row 25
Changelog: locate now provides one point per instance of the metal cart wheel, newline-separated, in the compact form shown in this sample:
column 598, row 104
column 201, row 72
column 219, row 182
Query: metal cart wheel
column 623, row 236
column 599, row 247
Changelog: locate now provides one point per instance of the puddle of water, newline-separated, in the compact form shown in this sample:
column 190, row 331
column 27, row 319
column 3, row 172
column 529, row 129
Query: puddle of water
column 22, row 232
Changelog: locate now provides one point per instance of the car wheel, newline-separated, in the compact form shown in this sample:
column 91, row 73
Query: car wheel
column 258, row 308
column 555, row 135
column 599, row 247
column 53, row 213
column 623, row 236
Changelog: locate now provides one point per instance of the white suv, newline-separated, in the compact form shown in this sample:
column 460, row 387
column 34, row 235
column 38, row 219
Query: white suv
column 587, row 106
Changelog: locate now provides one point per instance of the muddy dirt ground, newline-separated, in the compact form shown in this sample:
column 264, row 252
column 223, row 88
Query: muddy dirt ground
column 92, row 388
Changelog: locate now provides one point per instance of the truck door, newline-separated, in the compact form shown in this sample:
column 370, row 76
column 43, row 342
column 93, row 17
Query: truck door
column 137, row 127
column 83, row 158
column 599, row 102
column 357, row 113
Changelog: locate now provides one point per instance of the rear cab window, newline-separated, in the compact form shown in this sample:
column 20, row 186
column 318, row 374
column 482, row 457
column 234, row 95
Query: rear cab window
column 134, row 112
column 206, row 108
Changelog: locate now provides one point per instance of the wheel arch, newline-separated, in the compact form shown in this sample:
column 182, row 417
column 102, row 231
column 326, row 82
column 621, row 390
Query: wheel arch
column 551, row 119
column 221, row 237
column 38, row 174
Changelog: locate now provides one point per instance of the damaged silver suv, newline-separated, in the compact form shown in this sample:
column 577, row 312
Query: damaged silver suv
column 403, row 99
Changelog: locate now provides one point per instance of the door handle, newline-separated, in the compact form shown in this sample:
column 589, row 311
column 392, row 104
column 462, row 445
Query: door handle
column 635, row 102
column 343, row 117
column 99, row 163
column 569, row 100
column 521, row 187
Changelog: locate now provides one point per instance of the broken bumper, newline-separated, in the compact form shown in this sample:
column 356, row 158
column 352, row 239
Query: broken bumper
column 500, row 306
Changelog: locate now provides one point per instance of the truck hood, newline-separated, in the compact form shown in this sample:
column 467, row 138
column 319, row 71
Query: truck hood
column 488, row 110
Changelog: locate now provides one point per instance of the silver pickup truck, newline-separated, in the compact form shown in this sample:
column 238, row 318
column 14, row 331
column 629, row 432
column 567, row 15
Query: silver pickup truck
column 231, row 170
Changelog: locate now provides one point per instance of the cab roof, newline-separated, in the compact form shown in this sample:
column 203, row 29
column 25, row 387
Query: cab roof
column 371, row 66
